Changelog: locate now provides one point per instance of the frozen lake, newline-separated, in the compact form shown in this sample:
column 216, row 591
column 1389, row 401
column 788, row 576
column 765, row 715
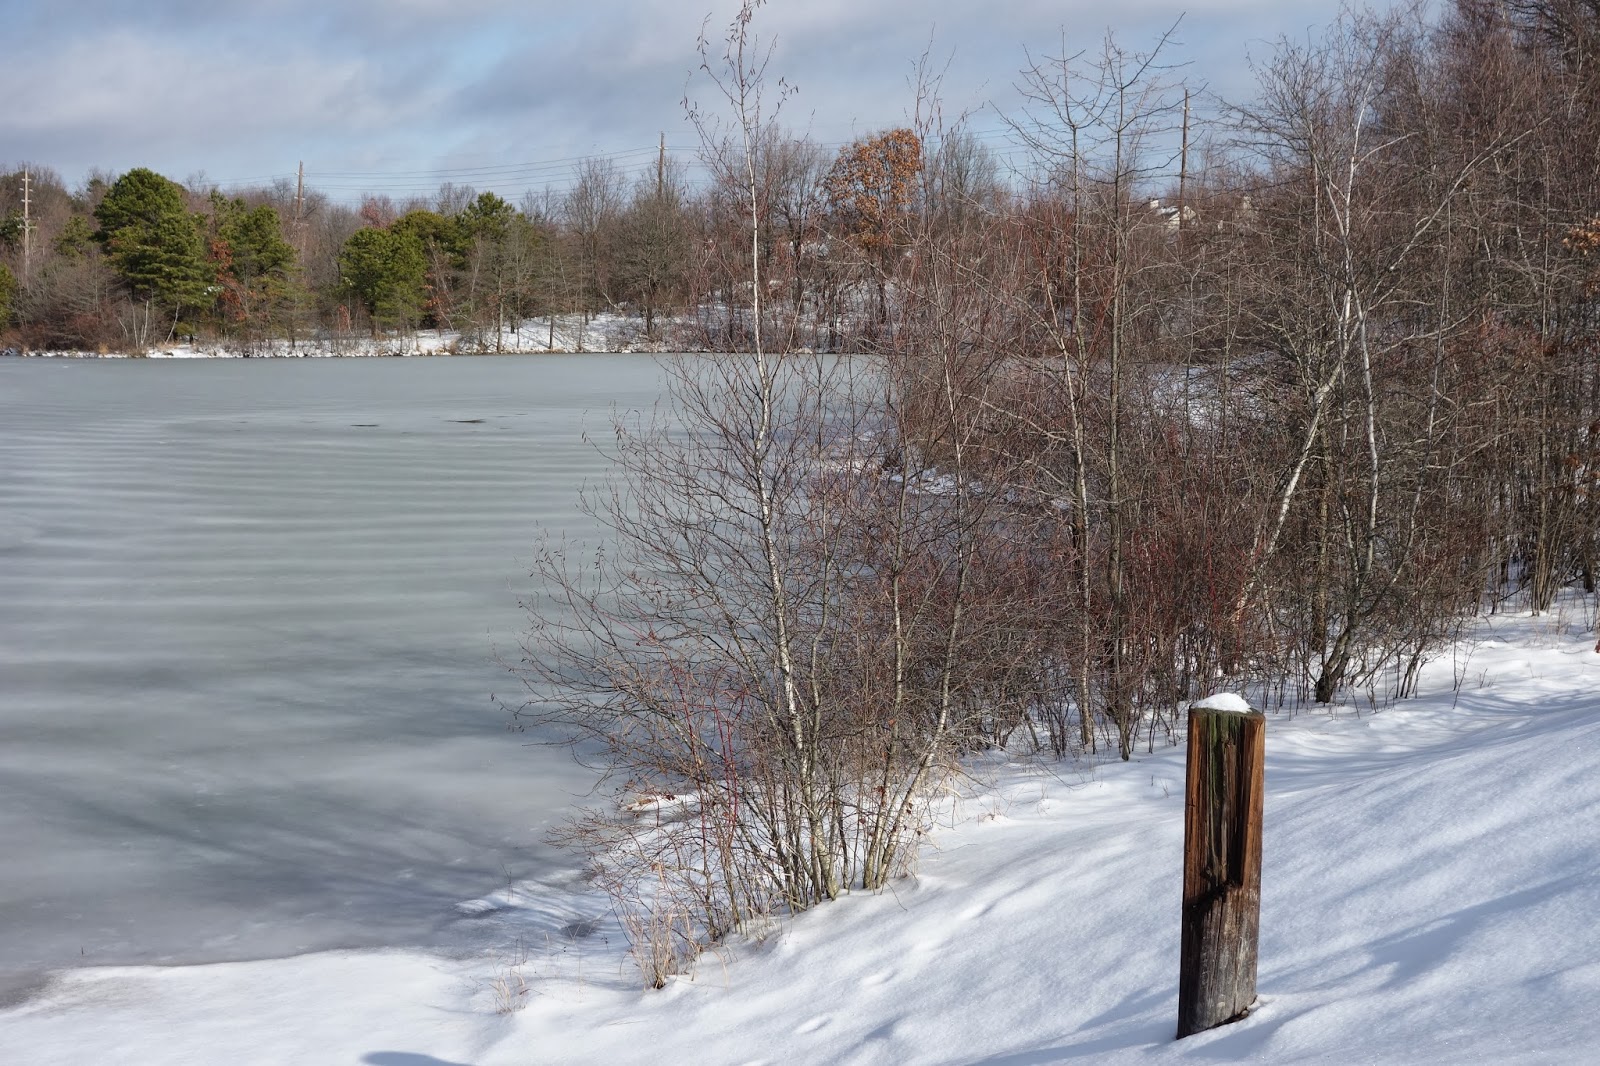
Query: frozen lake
column 249, row 615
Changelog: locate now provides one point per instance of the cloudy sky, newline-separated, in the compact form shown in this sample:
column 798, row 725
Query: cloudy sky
column 395, row 96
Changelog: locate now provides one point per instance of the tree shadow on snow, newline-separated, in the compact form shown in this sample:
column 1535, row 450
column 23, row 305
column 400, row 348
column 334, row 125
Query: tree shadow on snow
column 303, row 867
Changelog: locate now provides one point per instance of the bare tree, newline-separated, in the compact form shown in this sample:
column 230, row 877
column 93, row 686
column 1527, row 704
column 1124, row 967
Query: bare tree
column 653, row 240
column 1357, row 209
column 591, row 210
column 776, row 644
column 1092, row 127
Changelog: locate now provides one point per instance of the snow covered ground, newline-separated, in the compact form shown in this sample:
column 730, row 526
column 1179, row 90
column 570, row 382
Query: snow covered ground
column 1431, row 890
column 605, row 332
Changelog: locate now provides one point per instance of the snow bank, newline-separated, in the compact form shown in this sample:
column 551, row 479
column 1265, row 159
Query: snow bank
column 603, row 333
column 1431, row 879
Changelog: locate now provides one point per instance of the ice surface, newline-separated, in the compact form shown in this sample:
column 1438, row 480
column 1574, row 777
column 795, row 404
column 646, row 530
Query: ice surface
column 248, row 619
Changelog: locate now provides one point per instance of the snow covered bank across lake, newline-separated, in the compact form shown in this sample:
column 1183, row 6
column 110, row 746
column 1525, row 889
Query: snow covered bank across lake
column 1432, row 879
column 603, row 333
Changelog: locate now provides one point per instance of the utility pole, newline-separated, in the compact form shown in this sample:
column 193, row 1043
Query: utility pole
column 1183, row 165
column 299, row 206
column 27, row 224
column 661, row 167
column 299, row 246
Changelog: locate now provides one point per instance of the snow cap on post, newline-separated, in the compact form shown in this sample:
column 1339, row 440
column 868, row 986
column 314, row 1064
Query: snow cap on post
column 1222, row 701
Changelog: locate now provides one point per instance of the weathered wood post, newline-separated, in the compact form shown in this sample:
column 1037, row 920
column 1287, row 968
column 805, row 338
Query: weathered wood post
column 1221, row 863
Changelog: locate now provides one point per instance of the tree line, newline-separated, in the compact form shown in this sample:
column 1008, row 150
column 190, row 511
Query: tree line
column 131, row 261
column 135, row 260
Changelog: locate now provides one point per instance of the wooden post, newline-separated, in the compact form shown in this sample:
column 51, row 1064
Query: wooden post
column 1221, row 864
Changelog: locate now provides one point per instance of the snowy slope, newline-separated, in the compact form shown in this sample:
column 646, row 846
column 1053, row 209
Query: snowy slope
column 1431, row 889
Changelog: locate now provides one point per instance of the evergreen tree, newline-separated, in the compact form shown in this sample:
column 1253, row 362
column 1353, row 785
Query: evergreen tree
column 384, row 270
column 254, row 265
column 493, row 233
column 8, row 294
column 154, row 243
column 444, row 253
column 438, row 236
column 255, row 239
column 11, row 229
column 487, row 218
column 76, row 238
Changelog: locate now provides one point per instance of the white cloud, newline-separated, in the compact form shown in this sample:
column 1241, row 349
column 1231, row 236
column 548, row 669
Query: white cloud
column 233, row 88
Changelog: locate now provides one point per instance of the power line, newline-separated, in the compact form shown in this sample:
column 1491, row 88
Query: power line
column 529, row 168
column 1005, row 145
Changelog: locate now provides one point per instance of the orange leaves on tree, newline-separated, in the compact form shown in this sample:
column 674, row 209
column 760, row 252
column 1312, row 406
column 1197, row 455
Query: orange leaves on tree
column 1584, row 239
column 227, row 286
column 872, row 187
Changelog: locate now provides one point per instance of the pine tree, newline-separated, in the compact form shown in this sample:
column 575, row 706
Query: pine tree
column 75, row 239
column 154, row 243
column 384, row 270
column 8, row 294
column 487, row 218
column 253, row 264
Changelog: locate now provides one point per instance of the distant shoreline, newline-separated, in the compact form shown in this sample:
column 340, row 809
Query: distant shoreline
column 173, row 355
column 604, row 334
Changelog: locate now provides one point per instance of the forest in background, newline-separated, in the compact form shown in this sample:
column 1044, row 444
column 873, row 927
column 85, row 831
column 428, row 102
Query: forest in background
column 128, row 261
